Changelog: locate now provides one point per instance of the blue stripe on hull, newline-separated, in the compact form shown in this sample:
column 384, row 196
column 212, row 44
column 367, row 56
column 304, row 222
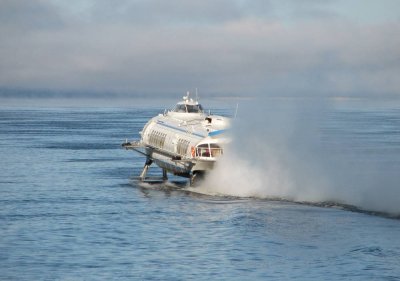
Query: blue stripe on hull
column 179, row 129
column 215, row 133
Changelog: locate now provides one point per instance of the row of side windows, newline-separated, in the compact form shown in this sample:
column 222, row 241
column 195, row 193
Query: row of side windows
column 157, row 139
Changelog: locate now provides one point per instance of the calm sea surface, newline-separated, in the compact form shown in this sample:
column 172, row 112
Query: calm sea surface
column 71, row 209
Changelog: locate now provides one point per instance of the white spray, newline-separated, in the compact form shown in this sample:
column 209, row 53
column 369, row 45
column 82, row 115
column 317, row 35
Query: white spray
column 277, row 152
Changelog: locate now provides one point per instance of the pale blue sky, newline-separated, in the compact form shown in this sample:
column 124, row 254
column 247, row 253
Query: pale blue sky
column 290, row 48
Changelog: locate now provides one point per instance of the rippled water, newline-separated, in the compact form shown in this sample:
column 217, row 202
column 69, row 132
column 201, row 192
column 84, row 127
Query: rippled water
column 71, row 209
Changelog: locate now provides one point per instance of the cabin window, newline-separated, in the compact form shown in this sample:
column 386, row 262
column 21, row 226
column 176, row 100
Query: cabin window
column 182, row 146
column 208, row 150
column 157, row 139
column 216, row 150
column 203, row 150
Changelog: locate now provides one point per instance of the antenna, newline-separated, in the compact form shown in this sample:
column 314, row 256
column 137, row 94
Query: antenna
column 186, row 98
column 236, row 111
column 197, row 97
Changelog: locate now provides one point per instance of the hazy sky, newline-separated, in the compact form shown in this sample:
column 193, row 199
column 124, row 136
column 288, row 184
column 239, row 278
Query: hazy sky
column 238, row 47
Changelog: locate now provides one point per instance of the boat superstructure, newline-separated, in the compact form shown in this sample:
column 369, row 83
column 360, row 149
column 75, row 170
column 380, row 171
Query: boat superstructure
column 184, row 141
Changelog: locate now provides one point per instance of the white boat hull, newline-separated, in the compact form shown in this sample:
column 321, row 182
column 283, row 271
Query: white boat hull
column 183, row 144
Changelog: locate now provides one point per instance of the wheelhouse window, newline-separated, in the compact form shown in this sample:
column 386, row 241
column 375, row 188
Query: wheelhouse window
column 189, row 108
column 180, row 108
column 197, row 108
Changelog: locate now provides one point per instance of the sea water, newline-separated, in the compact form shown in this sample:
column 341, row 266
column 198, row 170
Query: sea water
column 73, row 209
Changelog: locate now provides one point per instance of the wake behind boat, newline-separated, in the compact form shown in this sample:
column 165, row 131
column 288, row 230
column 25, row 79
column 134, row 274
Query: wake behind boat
column 184, row 141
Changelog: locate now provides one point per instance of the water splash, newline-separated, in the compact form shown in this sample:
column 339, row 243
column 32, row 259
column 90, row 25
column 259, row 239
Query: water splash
column 283, row 149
